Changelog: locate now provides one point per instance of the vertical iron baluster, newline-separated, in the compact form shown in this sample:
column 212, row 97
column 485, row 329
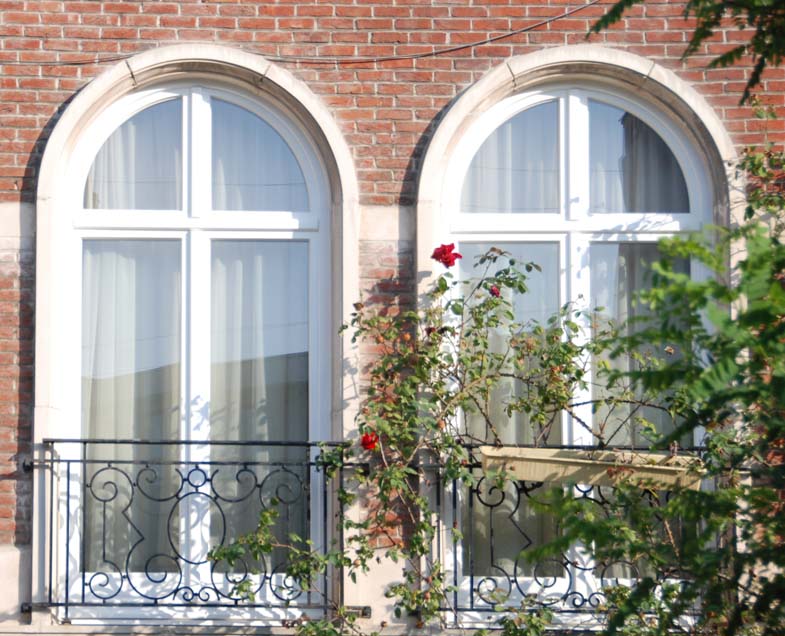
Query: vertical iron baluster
column 455, row 574
column 470, row 545
column 325, row 523
column 52, row 505
column 82, row 562
column 67, row 529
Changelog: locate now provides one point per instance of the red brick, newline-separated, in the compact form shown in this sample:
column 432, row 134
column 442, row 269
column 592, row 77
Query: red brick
column 160, row 8
column 237, row 9
column 352, row 11
column 102, row 20
column 315, row 10
column 18, row 17
column 256, row 23
column 44, row 6
column 177, row 21
column 119, row 32
column 122, row 7
column 295, row 23
column 198, row 9
column 139, row 20
column 219, row 23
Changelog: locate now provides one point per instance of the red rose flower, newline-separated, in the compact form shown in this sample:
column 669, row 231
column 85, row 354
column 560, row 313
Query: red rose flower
column 444, row 254
column 494, row 291
column 369, row 441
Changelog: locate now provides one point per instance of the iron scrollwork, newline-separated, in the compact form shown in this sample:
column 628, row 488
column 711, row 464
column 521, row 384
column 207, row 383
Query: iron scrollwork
column 142, row 517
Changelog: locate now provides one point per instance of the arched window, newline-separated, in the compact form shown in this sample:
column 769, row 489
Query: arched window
column 200, row 370
column 196, row 249
column 582, row 178
column 584, row 182
column 201, row 239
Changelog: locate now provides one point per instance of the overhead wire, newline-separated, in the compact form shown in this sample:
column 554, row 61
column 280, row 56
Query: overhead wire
column 341, row 60
column 350, row 59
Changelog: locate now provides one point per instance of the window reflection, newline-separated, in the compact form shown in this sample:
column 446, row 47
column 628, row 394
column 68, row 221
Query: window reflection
column 140, row 166
column 516, row 170
column 632, row 169
column 253, row 167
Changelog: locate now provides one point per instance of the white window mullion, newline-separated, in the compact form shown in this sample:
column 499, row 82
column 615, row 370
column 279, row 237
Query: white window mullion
column 185, row 380
column 199, row 273
column 576, row 131
column 194, row 511
column 564, row 155
column 577, row 144
column 580, row 422
column 198, row 317
column 187, row 177
column 200, row 162
column 579, row 279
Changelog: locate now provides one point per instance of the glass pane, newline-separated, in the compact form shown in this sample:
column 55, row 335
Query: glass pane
column 516, row 169
column 140, row 166
column 619, row 271
column 537, row 305
column 130, row 390
column 259, row 385
column 632, row 169
column 677, row 532
column 498, row 524
column 253, row 167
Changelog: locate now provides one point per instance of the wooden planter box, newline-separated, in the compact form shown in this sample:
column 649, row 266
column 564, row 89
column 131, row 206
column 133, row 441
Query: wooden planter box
column 660, row 471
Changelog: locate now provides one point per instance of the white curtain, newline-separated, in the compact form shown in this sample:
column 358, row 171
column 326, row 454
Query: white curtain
column 537, row 305
column 516, row 169
column 130, row 390
column 502, row 523
column 619, row 271
column 631, row 167
column 253, row 167
column 140, row 166
column 259, row 386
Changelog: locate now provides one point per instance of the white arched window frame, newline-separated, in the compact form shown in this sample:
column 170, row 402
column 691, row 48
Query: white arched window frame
column 574, row 228
column 197, row 192
column 197, row 223
column 573, row 150
column 196, row 228
column 568, row 235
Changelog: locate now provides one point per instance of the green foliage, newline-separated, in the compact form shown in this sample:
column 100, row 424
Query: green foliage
column 764, row 20
column 464, row 353
column 710, row 561
column 525, row 621
column 702, row 562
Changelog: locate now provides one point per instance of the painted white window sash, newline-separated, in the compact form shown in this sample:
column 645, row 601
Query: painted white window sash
column 576, row 229
column 196, row 226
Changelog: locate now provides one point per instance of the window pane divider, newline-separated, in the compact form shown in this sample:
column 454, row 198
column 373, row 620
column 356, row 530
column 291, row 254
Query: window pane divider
column 577, row 133
column 200, row 162
column 579, row 292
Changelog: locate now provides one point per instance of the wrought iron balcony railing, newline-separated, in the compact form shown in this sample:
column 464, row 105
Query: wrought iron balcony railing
column 497, row 526
column 131, row 524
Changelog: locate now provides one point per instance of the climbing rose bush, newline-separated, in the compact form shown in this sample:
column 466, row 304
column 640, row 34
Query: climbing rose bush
column 707, row 562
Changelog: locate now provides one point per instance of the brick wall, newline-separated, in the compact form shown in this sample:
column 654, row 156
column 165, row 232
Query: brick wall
column 16, row 386
column 386, row 109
